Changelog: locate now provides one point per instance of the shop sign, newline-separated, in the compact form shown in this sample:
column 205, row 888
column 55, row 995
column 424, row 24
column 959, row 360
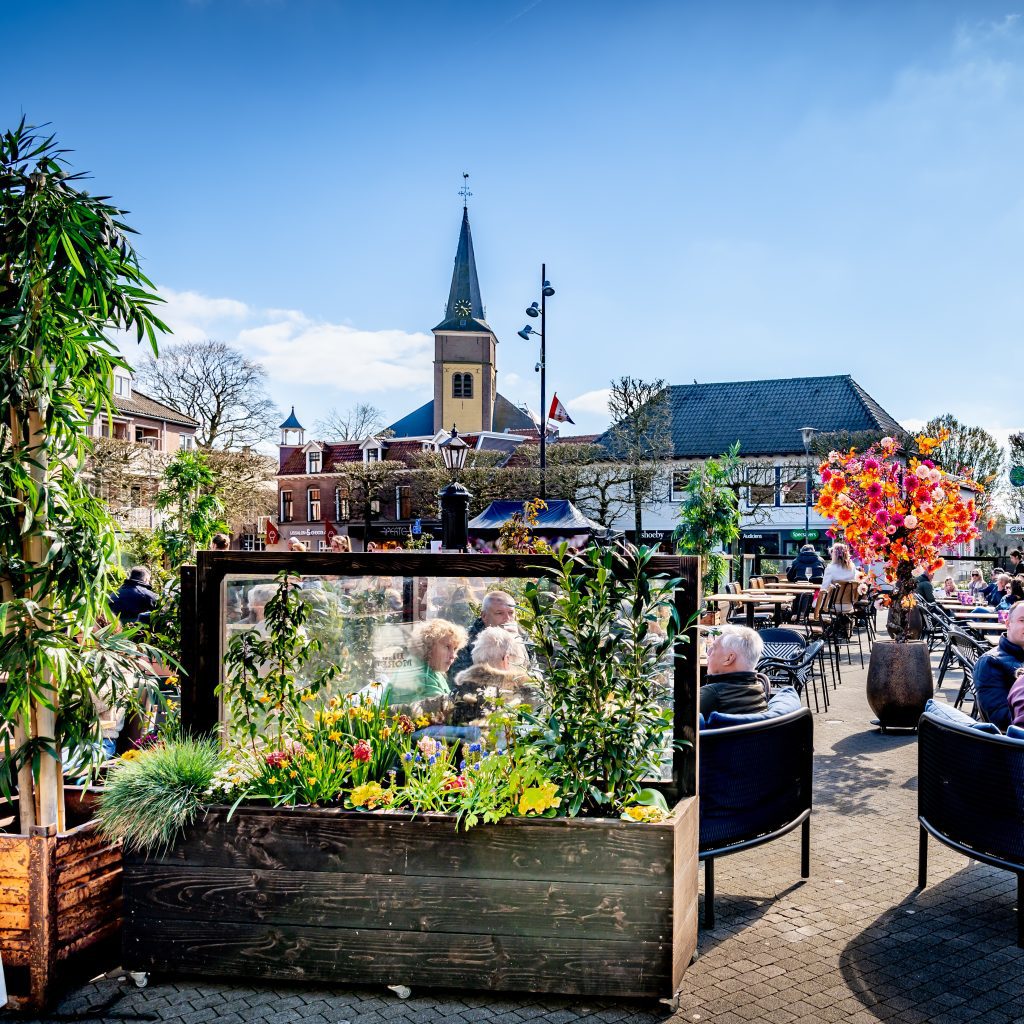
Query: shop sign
column 801, row 535
column 308, row 531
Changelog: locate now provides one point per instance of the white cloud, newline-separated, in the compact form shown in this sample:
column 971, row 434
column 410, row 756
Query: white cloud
column 590, row 402
column 299, row 350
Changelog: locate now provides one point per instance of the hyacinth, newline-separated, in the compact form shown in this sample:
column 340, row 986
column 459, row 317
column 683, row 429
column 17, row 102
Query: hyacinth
column 362, row 751
column 894, row 514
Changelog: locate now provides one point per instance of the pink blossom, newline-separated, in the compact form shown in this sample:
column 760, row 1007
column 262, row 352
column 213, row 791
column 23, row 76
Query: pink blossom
column 910, row 522
column 938, row 494
column 877, row 539
column 871, row 464
column 910, row 482
column 362, row 751
column 890, row 529
column 426, row 746
column 881, row 517
column 874, row 489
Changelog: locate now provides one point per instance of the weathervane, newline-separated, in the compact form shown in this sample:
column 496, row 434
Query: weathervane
column 464, row 191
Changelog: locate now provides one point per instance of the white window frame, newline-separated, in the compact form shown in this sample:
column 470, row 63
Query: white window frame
column 187, row 442
column 291, row 503
column 676, row 493
column 314, row 456
column 310, row 518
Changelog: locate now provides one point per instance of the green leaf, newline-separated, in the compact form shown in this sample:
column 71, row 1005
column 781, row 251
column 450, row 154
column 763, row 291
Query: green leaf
column 72, row 255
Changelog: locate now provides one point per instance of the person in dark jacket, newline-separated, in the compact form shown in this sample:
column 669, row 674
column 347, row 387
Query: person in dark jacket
column 497, row 609
column 734, row 685
column 996, row 671
column 997, row 589
column 925, row 590
column 807, row 558
column 134, row 600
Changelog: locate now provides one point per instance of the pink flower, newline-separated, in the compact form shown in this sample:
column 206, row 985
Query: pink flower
column 362, row 751
column 881, row 517
column 826, row 475
column 896, row 519
column 877, row 539
column 874, row 489
column 871, row 464
column 938, row 494
column 277, row 758
column 910, row 482
column 890, row 529
column 910, row 522
column 426, row 746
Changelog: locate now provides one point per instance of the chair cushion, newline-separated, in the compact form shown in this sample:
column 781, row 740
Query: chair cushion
column 1015, row 732
column 782, row 703
column 956, row 717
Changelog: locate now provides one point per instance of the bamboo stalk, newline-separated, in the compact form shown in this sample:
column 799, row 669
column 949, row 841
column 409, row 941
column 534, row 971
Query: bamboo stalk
column 26, row 791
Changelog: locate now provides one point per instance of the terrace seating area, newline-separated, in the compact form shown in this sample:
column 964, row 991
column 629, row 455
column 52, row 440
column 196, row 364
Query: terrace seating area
column 856, row 941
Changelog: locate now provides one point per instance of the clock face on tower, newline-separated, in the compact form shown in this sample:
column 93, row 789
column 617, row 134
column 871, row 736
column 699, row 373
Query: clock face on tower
column 463, row 308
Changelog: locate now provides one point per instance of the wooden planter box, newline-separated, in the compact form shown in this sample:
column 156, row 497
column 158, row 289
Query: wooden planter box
column 574, row 906
column 60, row 895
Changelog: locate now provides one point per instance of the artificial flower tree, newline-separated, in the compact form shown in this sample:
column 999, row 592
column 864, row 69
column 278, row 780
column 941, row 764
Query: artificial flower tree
column 898, row 511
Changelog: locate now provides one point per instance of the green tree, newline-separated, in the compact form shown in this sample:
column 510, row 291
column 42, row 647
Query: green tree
column 709, row 516
column 194, row 510
column 67, row 275
column 968, row 451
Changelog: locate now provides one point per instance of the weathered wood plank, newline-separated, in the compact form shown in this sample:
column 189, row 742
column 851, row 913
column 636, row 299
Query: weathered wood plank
column 95, row 935
column 684, row 894
column 364, row 844
column 14, row 856
column 433, row 904
column 13, row 917
column 108, row 882
column 81, row 841
column 505, row 962
column 95, row 863
column 82, row 920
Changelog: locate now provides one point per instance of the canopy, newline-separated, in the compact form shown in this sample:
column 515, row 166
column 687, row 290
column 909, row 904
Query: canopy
column 561, row 516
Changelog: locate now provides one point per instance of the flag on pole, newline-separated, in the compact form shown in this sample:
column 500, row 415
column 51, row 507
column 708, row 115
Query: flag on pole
column 272, row 533
column 330, row 531
column 558, row 411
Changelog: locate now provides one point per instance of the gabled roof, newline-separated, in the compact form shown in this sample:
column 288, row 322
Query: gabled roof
column 140, row 404
column 509, row 417
column 465, row 309
column 765, row 416
column 418, row 423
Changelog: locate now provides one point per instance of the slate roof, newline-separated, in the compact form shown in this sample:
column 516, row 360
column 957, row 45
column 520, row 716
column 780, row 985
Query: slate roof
column 292, row 423
column 765, row 416
column 142, row 405
column 509, row 417
column 465, row 287
column 420, row 422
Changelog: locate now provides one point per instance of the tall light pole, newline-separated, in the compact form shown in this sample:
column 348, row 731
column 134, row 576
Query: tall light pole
column 807, row 435
column 540, row 309
column 454, row 498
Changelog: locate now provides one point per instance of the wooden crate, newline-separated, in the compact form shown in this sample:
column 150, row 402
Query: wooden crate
column 574, row 906
column 60, row 895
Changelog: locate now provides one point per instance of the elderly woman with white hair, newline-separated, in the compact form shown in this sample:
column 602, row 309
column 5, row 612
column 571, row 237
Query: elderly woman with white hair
column 734, row 685
column 498, row 657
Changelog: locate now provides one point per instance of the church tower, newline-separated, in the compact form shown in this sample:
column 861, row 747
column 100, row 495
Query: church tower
column 465, row 378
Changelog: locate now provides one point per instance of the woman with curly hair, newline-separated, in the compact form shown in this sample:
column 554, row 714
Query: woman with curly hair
column 498, row 655
column 433, row 646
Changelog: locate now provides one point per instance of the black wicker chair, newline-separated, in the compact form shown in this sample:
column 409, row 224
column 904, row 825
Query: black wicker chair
column 755, row 786
column 971, row 797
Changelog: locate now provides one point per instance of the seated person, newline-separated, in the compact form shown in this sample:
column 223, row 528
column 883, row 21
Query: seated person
column 996, row 671
column 497, row 609
column 840, row 568
column 949, row 587
column 496, row 672
column 994, row 591
column 734, row 685
column 807, row 559
column 1013, row 593
column 1015, row 698
column 925, row 590
column 977, row 586
column 134, row 600
column 433, row 646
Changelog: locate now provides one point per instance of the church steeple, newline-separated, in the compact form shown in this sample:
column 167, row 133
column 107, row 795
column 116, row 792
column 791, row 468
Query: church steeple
column 465, row 379
column 465, row 309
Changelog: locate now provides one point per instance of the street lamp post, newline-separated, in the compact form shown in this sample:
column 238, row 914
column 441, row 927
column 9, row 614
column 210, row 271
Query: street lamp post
column 454, row 498
column 540, row 309
column 807, row 435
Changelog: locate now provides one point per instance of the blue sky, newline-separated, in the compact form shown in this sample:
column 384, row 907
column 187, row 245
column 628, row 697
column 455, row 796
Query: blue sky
column 720, row 190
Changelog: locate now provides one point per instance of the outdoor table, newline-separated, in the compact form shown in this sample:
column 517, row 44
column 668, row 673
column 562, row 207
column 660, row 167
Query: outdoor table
column 752, row 599
column 973, row 613
column 996, row 629
column 798, row 585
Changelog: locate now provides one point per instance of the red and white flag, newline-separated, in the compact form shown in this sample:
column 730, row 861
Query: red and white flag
column 330, row 531
column 558, row 411
column 272, row 534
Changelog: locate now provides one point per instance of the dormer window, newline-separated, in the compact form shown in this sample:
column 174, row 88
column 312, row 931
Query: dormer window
column 371, row 455
column 122, row 385
column 462, row 385
column 314, row 461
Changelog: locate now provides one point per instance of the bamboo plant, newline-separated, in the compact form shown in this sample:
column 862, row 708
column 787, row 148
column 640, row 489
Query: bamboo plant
column 68, row 275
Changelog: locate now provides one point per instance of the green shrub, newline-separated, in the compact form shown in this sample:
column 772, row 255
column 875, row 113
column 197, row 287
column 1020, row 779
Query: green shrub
column 149, row 799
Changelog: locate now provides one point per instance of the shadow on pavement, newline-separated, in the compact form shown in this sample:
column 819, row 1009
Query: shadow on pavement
column 953, row 943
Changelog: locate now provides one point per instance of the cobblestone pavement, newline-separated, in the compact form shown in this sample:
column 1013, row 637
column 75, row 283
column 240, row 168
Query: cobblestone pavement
column 856, row 942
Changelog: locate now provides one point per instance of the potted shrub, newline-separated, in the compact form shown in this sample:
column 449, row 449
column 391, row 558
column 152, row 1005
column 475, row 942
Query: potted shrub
column 897, row 510
column 340, row 839
column 67, row 275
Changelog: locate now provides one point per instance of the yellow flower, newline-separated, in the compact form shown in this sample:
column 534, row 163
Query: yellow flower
column 369, row 794
column 385, row 733
column 538, row 799
column 648, row 814
column 334, row 737
column 422, row 722
column 264, row 698
column 293, row 775
column 311, row 780
column 272, row 780
column 131, row 755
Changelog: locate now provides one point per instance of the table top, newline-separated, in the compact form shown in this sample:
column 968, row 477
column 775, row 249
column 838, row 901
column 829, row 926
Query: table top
column 982, row 626
column 798, row 585
column 750, row 597
column 974, row 613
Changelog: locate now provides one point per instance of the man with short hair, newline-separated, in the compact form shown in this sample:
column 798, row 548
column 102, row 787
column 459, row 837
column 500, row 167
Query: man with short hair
column 734, row 685
column 1016, row 562
column 134, row 600
column 925, row 590
column 996, row 671
column 497, row 609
